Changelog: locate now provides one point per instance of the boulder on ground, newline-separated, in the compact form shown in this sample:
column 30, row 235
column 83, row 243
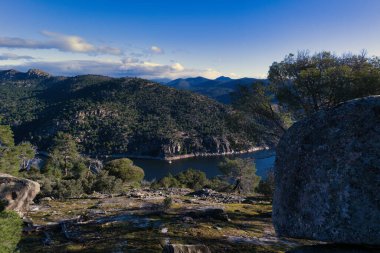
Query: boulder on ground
column 181, row 248
column 327, row 175
column 17, row 193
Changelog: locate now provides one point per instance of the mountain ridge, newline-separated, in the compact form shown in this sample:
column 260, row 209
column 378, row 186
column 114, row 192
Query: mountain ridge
column 128, row 116
column 218, row 88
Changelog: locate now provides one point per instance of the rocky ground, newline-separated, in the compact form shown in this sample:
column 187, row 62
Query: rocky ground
column 136, row 222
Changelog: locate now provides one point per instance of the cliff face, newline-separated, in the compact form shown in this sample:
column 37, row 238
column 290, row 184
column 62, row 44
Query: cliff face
column 117, row 116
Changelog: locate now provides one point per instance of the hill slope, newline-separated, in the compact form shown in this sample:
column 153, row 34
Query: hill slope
column 128, row 116
column 218, row 89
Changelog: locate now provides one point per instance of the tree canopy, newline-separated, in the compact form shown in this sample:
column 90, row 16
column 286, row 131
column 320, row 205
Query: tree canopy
column 125, row 170
column 65, row 157
column 13, row 158
column 305, row 83
column 242, row 172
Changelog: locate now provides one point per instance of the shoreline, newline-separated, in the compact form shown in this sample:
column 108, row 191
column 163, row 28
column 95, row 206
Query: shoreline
column 180, row 157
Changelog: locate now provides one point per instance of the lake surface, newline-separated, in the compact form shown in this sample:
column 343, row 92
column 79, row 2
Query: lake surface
column 156, row 169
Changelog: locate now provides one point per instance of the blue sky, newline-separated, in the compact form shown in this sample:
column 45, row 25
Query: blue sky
column 153, row 39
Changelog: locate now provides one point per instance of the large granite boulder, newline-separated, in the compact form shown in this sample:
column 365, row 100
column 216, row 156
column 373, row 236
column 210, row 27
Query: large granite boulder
column 327, row 175
column 17, row 193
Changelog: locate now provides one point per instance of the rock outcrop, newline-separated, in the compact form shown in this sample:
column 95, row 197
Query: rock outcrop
column 181, row 248
column 17, row 193
column 327, row 175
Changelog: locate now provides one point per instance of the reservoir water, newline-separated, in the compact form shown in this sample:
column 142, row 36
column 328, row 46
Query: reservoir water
column 156, row 169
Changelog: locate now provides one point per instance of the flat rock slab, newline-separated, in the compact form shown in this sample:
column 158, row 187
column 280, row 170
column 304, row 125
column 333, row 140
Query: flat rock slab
column 327, row 176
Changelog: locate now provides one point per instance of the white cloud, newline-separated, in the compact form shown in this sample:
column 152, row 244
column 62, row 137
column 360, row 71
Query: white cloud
column 156, row 50
column 127, row 67
column 61, row 42
column 177, row 66
column 10, row 56
column 233, row 75
column 123, row 68
column 127, row 60
column 211, row 73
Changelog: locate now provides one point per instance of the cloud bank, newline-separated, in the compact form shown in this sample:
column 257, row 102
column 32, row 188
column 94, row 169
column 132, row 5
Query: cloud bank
column 61, row 42
column 10, row 56
column 137, row 64
column 126, row 67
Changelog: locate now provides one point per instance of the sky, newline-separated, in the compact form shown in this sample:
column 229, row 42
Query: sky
column 173, row 39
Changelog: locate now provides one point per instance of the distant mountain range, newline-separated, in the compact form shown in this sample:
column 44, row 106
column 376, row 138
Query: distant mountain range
column 218, row 89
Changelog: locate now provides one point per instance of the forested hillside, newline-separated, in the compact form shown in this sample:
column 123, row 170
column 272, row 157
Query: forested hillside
column 117, row 115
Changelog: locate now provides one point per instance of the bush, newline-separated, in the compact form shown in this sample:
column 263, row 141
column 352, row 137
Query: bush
column 166, row 182
column 219, row 184
column 68, row 189
column 105, row 183
column 167, row 203
column 125, row 170
column 193, row 179
column 266, row 186
column 10, row 231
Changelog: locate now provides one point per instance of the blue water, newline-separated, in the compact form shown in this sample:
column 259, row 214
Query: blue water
column 156, row 169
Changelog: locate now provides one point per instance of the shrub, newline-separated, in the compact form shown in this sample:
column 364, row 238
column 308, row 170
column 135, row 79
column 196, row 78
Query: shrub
column 167, row 203
column 125, row 170
column 68, row 189
column 193, row 179
column 266, row 186
column 10, row 231
column 167, row 182
column 218, row 184
column 105, row 183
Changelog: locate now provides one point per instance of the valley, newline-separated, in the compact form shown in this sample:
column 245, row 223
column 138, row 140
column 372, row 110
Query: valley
column 126, row 116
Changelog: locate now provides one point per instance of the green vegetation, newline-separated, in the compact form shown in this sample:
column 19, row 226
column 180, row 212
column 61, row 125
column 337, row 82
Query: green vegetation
column 64, row 157
column 191, row 178
column 238, row 175
column 125, row 170
column 306, row 83
column 299, row 86
column 13, row 158
column 266, row 186
column 66, row 173
column 116, row 116
column 10, row 231
column 167, row 203
column 258, row 114
column 242, row 172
